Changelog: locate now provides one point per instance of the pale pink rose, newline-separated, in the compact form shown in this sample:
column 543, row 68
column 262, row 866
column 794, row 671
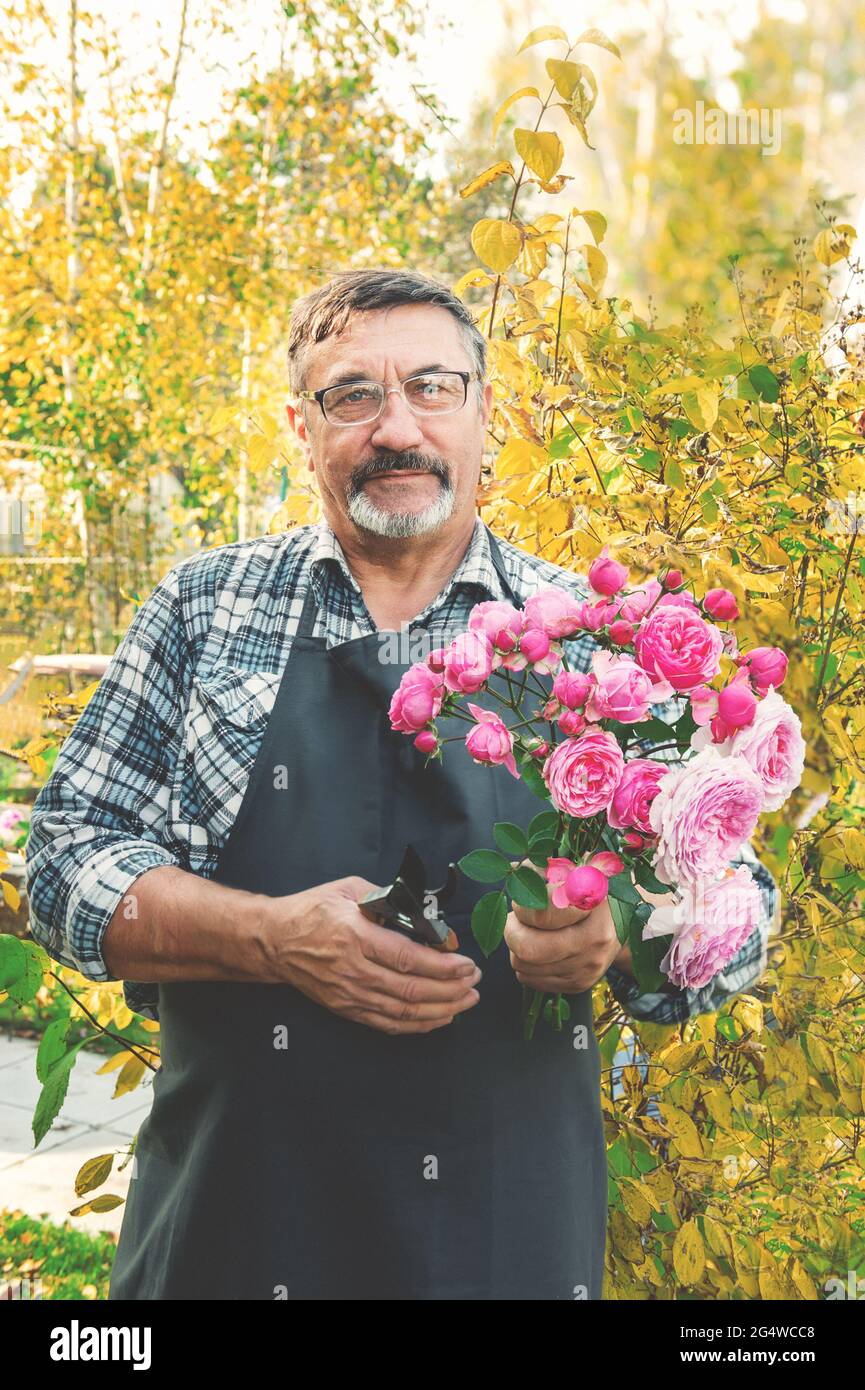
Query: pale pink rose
column 607, row 576
column 468, row 662
column 710, row 921
column 622, row 689
column 583, row 773
column 499, row 621
column 772, row 745
column 635, row 793
column 490, row 741
column 416, row 700
column 553, row 610
column 702, row 814
column 766, row 666
column 704, row 703
column 674, row 643
column 608, row 862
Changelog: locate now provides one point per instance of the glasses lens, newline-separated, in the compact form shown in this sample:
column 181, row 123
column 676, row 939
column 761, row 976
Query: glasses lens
column 435, row 392
column 354, row 403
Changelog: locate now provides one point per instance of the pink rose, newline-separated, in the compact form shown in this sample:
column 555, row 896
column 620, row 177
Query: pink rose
column 586, row 886
column 640, row 600
column 710, row 923
column 674, row 643
column 571, row 722
column 468, row 662
column 582, row 773
column 556, row 873
column 772, row 745
column 765, row 666
column 490, row 741
column 622, row 689
column 570, row 688
column 737, row 704
column 721, row 605
column 635, row 793
column 554, row 611
column 416, row 700
column 607, row 576
column 702, row 814
column 499, row 621
column 704, row 703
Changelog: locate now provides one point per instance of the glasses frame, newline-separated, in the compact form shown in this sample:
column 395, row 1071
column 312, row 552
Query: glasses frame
column 317, row 396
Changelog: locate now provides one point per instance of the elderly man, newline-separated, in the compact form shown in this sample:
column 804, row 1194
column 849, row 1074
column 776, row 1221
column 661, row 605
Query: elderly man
column 340, row 1112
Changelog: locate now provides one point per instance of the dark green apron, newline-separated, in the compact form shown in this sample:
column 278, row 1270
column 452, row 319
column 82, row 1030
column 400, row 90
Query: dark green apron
column 464, row 1163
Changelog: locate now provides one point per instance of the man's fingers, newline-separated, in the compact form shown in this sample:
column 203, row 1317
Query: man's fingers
column 396, row 952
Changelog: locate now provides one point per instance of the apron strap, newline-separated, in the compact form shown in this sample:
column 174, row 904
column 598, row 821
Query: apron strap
column 499, row 564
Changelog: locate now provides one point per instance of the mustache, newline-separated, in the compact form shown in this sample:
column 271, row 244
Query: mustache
column 399, row 463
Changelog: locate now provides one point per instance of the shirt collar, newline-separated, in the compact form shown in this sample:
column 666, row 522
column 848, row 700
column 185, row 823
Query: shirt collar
column 476, row 569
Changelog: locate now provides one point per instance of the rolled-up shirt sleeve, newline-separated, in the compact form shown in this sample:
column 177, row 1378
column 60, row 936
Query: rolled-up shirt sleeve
column 99, row 822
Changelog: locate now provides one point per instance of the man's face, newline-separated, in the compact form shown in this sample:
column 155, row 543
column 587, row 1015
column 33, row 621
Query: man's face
column 402, row 474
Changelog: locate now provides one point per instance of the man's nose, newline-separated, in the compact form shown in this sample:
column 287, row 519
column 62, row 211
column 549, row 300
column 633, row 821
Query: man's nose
column 397, row 427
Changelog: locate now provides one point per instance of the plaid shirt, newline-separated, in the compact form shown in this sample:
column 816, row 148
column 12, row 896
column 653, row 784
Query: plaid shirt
column 155, row 768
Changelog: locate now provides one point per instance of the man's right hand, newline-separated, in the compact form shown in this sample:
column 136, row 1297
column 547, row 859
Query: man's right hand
column 320, row 942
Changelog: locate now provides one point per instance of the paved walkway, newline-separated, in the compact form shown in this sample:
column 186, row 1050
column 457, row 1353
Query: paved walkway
column 41, row 1182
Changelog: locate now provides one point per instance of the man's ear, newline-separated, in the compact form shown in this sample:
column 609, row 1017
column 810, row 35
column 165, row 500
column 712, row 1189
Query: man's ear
column 297, row 424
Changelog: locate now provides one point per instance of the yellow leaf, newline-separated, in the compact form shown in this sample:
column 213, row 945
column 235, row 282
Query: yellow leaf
column 261, row 451
column 130, row 1075
column 598, row 37
column 689, row 1255
column 596, row 264
column 541, row 150
column 626, row 1237
column 701, row 406
column 675, row 386
column 833, row 244
column 495, row 242
column 224, row 416
column 116, row 1060
column 683, row 1130
column 543, row 32
column 504, row 166
column 473, row 278
column 93, row 1173
column 506, row 105
column 11, row 895
column 267, row 424
column 596, row 222
column 565, row 75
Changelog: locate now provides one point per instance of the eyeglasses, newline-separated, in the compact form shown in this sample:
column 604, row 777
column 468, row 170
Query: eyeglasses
column 361, row 402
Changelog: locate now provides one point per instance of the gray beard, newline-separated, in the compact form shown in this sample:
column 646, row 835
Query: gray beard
column 385, row 522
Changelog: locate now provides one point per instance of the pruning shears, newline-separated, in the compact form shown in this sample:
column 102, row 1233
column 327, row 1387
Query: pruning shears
column 407, row 905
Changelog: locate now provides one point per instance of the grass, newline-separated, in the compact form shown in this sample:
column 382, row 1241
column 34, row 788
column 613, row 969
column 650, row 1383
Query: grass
column 67, row 1264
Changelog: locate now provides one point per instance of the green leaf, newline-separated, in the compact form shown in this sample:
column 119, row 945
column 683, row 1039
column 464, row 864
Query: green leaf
column 484, row 865
column 52, row 1046
column 489, row 915
column 622, row 912
column 527, row 888
column 764, row 382
column 511, row 840
column 545, row 822
column 13, row 960
column 726, row 1026
column 645, row 876
column 646, row 957
column 621, row 887
column 531, row 775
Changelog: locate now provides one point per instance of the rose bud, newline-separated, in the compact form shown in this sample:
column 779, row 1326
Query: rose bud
column 571, row 722
column 436, row 659
column 607, row 576
column 621, row 632
column 571, row 688
column 534, row 644
column 672, row 579
column 766, row 666
column 737, row 704
column 586, row 886
column 721, row 605
column 538, row 748
column 426, row 741
column 633, row 839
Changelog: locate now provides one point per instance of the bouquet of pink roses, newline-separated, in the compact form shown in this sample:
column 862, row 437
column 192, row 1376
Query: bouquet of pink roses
column 619, row 819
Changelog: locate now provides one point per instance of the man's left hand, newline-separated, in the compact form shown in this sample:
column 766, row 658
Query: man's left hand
column 563, row 950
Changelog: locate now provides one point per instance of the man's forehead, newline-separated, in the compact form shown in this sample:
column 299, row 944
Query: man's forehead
column 426, row 340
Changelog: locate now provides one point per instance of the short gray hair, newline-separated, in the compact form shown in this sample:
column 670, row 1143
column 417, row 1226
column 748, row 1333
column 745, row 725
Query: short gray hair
column 328, row 309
